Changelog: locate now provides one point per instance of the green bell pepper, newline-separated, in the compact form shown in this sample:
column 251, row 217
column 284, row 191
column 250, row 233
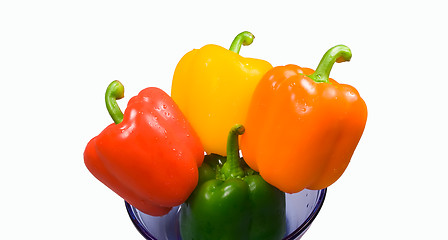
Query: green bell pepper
column 232, row 201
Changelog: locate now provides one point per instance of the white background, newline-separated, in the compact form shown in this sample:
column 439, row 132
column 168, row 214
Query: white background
column 57, row 58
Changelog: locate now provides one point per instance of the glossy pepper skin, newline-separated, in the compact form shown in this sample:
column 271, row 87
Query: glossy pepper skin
column 150, row 156
column 213, row 86
column 302, row 127
column 232, row 201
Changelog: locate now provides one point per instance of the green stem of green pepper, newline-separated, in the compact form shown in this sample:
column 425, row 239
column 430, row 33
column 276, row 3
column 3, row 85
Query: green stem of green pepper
column 232, row 167
column 245, row 38
column 114, row 91
column 339, row 53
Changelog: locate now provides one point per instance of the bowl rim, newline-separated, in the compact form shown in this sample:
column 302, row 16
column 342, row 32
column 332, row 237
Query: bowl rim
column 300, row 230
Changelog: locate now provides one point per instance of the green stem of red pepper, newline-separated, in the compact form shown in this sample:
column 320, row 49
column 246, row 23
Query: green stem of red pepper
column 114, row 91
column 232, row 167
column 245, row 38
column 339, row 53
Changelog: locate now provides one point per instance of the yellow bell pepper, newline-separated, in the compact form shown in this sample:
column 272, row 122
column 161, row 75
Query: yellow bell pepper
column 213, row 87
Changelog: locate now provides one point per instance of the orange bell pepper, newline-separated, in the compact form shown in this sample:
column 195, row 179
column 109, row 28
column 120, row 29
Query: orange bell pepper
column 302, row 127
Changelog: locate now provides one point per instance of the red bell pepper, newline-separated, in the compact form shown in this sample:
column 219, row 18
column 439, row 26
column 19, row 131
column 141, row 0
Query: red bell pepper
column 150, row 156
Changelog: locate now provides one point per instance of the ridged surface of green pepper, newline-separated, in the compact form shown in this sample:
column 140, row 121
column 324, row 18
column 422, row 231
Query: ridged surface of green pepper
column 231, row 201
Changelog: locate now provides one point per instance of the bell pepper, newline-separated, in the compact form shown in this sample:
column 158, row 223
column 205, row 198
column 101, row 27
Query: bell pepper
column 302, row 126
column 213, row 87
column 150, row 155
column 231, row 201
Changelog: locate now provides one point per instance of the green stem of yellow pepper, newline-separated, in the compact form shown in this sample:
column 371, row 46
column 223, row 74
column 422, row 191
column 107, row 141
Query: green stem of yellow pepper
column 245, row 38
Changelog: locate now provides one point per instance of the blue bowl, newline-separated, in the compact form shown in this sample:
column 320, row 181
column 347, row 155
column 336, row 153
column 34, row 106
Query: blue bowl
column 301, row 210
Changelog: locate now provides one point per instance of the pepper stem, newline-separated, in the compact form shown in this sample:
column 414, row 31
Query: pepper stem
column 339, row 53
column 245, row 38
column 114, row 91
column 232, row 167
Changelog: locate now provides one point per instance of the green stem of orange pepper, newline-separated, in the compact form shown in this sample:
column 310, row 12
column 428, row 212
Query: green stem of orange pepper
column 114, row 91
column 245, row 38
column 339, row 53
